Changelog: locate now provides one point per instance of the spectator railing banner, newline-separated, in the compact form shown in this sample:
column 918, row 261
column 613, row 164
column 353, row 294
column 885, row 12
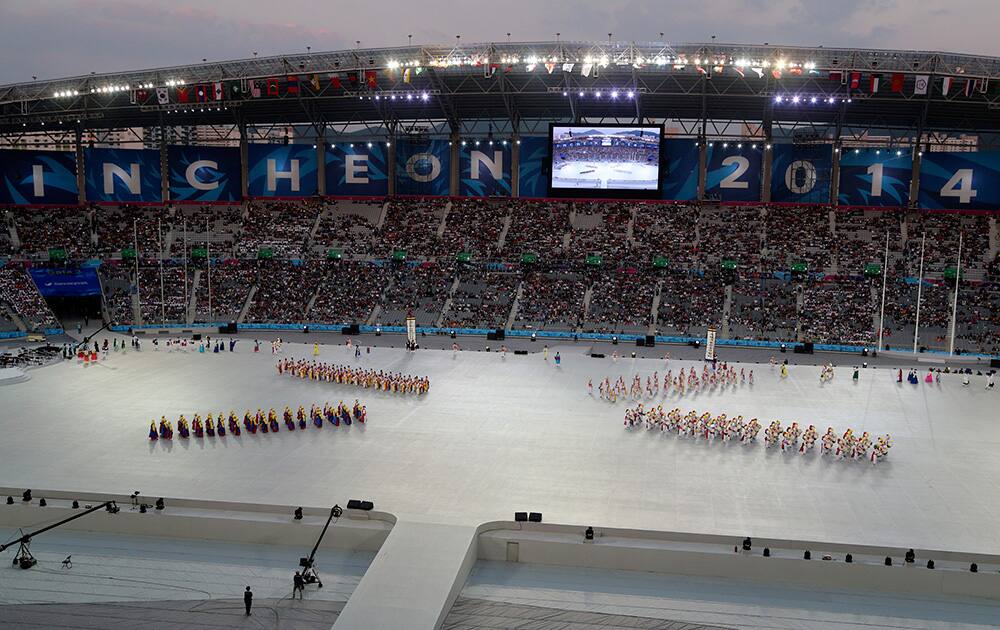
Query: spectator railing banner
column 960, row 181
column 204, row 174
column 122, row 175
column 801, row 173
column 870, row 178
column 733, row 172
column 287, row 170
column 484, row 170
column 357, row 169
column 38, row 177
column 533, row 178
column 680, row 169
column 423, row 168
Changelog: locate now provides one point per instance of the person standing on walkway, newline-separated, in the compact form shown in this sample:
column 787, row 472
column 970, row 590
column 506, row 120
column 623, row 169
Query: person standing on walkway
column 299, row 585
column 248, row 599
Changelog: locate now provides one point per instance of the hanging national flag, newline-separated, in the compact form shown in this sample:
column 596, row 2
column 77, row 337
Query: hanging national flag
column 776, row 74
column 567, row 67
column 489, row 70
column 255, row 88
column 272, row 87
column 585, row 69
column 141, row 96
column 315, row 83
column 739, row 71
column 202, row 94
column 292, row 87
column 984, row 86
column 335, row 80
column 701, row 70
column 874, row 82
column 418, row 70
column 945, row 86
column 234, row 90
column 162, row 96
column 897, row 82
column 219, row 93
column 970, row 86
column 183, row 95
column 796, row 71
column 855, row 80
column 550, row 67
column 352, row 78
column 837, row 75
column 407, row 72
column 759, row 72
column 371, row 78
column 921, row 84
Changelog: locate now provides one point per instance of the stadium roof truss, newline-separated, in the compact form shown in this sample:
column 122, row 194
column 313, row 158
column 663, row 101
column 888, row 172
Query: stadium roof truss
column 711, row 90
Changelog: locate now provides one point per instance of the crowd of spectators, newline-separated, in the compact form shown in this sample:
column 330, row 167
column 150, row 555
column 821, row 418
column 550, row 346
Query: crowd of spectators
column 162, row 297
column 730, row 233
column 536, row 227
column 19, row 293
column 411, row 225
column 483, row 298
column 763, row 308
column 230, row 282
column 474, row 225
column 798, row 234
column 349, row 227
column 284, row 290
column 121, row 227
column 669, row 231
column 621, row 301
column 551, row 300
column 839, row 312
column 602, row 229
column 283, row 227
column 349, row 293
column 42, row 229
column 421, row 289
column 117, row 280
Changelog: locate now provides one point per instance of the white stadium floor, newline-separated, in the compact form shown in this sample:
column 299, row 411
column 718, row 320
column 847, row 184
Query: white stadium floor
column 598, row 174
column 498, row 435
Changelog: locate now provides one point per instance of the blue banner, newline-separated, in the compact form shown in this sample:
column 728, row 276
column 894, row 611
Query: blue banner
column 38, row 177
column 484, row 170
column 733, row 172
column 801, row 173
column 357, row 169
column 66, row 282
column 880, row 179
column 281, row 170
column 122, row 175
column 423, row 168
column 680, row 169
column 532, row 181
column 960, row 181
column 204, row 173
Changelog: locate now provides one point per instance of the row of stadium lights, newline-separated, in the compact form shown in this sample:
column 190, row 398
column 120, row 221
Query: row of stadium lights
column 812, row 100
column 678, row 62
column 113, row 89
column 392, row 97
column 725, row 145
column 598, row 94
column 464, row 143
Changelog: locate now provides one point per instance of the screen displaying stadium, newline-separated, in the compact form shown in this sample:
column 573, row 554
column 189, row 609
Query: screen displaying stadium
column 605, row 160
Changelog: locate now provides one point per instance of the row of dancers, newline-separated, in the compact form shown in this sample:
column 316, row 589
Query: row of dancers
column 335, row 415
column 345, row 375
column 687, row 380
column 790, row 438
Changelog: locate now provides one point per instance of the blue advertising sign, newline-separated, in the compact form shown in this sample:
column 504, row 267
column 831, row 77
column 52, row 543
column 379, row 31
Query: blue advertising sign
column 532, row 181
column 870, row 178
column 680, row 169
column 801, row 173
column 38, row 177
column 359, row 168
column 733, row 172
column 204, row 174
column 66, row 282
column 423, row 168
column 122, row 175
column 960, row 181
column 484, row 169
column 281, row 170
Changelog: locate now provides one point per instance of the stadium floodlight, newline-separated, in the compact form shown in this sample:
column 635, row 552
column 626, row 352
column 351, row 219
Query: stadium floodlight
column 857, row 150
column 369, row 145
column 777, row 99
column 739, row 146
column 491, row 143
column 630, row 94
column 503, row 142
column 581, row 94
column 389, row 144
column 597, row 94
column 393, row 97
column 725, row 145
column 377, row 97
column 463, row 143
column 812, row 100
column 796, row 99
column 878, row 152
column 565, row 93
column 519, row 142
column 768, row 147
column 711, row 144
column 352, row 145
column 753, row 146
column 477, row 143
column 898, row 153
column 614, row 93
column 314, row 146
column 424, row 96
column 409, row 97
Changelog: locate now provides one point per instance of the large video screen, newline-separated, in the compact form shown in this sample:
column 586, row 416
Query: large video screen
column 605, row 160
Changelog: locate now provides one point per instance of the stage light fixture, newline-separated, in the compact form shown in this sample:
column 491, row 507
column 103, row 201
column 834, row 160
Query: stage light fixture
column 298, row 514
column 159, row 504
column 26, row 496
column 42, row 502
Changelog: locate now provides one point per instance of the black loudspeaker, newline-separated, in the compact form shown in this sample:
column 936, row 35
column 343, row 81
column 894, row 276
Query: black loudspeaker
column 520, row 517
column 520, row 352
column 650, row 341
column 356, row 504
column 196, row 337
column 228, row 329
column 501, row 334
column 807, row 347
column 353, row 329
column 597, row 355
column 535, row 517
column 995, row 363
column 640, row 342
column 491, row 336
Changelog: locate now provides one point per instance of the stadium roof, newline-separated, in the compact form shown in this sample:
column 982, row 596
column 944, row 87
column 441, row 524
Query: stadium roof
column 523, row 86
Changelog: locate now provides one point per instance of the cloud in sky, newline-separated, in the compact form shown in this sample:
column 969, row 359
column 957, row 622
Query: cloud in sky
column 58, row 38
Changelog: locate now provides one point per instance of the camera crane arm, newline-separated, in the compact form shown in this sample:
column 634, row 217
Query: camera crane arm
column 307, row 563
column 24, row 557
